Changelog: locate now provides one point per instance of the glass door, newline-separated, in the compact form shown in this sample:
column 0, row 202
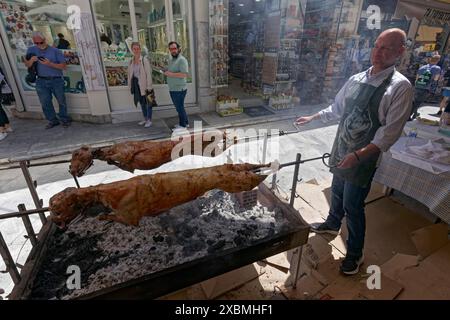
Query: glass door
column 158, row 22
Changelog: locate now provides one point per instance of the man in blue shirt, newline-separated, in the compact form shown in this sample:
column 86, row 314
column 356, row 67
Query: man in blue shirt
column 50, row 64
column 426, row 81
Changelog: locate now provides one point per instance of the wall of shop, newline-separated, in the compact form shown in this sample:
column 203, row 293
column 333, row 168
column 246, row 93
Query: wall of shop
column 206, row 95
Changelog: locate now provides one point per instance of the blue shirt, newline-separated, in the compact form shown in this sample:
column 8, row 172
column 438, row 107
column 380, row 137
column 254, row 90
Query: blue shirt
column 54, row 55
column 427, row 73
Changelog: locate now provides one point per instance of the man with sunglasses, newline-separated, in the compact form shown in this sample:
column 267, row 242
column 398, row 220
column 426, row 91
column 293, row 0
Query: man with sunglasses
column 50, row 65
column 373, row 107
column 177, row 73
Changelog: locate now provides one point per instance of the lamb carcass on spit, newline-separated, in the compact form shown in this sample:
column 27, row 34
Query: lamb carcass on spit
column 139, row 155
column 150, row 195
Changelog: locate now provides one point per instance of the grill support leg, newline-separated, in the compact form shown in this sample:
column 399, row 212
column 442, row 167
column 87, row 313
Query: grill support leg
column 31, row 185
column 9, row 262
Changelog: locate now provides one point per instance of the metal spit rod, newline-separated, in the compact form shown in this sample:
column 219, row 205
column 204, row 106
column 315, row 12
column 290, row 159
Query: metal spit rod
column 23, row 213
column 40, row 164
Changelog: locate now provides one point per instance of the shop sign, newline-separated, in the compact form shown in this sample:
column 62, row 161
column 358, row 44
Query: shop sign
column 433, row 16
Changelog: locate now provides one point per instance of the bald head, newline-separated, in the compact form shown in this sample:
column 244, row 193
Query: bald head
column 395, row 35
column 389, row 46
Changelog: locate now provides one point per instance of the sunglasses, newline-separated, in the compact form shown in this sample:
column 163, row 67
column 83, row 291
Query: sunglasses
column 172, row 49
column 39, row 43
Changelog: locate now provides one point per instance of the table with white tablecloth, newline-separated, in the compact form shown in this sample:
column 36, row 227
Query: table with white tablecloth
column 431, row 189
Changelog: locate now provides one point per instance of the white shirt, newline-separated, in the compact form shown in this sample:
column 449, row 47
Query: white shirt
column 395, row 107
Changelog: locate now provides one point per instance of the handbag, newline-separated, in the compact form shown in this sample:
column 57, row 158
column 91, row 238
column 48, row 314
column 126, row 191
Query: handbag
column 151, row 99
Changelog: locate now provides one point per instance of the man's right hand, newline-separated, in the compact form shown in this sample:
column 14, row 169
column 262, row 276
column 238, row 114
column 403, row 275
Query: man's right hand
column 30, row 62
column 304, row 120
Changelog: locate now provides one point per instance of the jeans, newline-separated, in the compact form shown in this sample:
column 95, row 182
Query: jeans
column 45, row 89
column 3, row 117
column 178, row 100
column 146, row 109
column 348, row 199
column 420, row 96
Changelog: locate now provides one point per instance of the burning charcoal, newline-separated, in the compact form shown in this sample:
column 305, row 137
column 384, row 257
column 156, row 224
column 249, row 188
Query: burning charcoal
column 193, row 247
column 169, row 257
column 244, row 232
column 220, row 244
column 187, row 232
column 158, row 238
column 239, row 240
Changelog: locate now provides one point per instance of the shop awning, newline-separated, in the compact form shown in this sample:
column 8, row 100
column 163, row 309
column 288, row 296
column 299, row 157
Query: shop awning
column 418, row 8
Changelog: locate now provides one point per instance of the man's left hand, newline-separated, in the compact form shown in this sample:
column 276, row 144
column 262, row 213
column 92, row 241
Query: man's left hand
column 350, row 161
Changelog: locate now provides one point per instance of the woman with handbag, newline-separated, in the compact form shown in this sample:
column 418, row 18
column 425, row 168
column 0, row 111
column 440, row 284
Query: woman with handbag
column 140, row 83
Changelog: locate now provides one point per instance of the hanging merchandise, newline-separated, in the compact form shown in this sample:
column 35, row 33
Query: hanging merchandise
column 218, row 43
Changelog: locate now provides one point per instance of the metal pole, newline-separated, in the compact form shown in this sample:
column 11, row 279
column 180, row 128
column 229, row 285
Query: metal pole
column 32, row 187
column 295, row 180
column 40, row 164
column 133, row 20
column 21, row 214
column 76, row 182
column 266, row 139
column 9, row 262
column 28, row 226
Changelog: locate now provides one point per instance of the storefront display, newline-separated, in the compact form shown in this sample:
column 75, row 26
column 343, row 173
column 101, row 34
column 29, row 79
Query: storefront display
column 218, row 23
column 98, row 56
column 20, row 20
column 228, row 106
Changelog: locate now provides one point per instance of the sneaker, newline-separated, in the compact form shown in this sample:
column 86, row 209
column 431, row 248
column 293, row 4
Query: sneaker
column 66, row 124
column 148, row 124
column 350, row 265
column 324, row 228
column 3, row 135
column 9, row 130
column 51, row 125
column 142, row 123
column 177, row 126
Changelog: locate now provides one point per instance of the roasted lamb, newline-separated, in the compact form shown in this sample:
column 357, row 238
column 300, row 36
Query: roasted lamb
column 150, row 195
column 138, row 155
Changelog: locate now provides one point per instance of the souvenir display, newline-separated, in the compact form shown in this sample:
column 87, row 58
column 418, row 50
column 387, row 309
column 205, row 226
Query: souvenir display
column 21, row 20
column 228, row 106
column 218, row 43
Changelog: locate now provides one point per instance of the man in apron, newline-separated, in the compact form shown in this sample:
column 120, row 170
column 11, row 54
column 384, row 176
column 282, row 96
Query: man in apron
column 373, row 107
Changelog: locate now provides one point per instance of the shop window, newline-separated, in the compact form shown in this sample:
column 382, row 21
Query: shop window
column 153, row 36
column 154, row 27
column 114, row 27
column 21, row 19
column 181, row 28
